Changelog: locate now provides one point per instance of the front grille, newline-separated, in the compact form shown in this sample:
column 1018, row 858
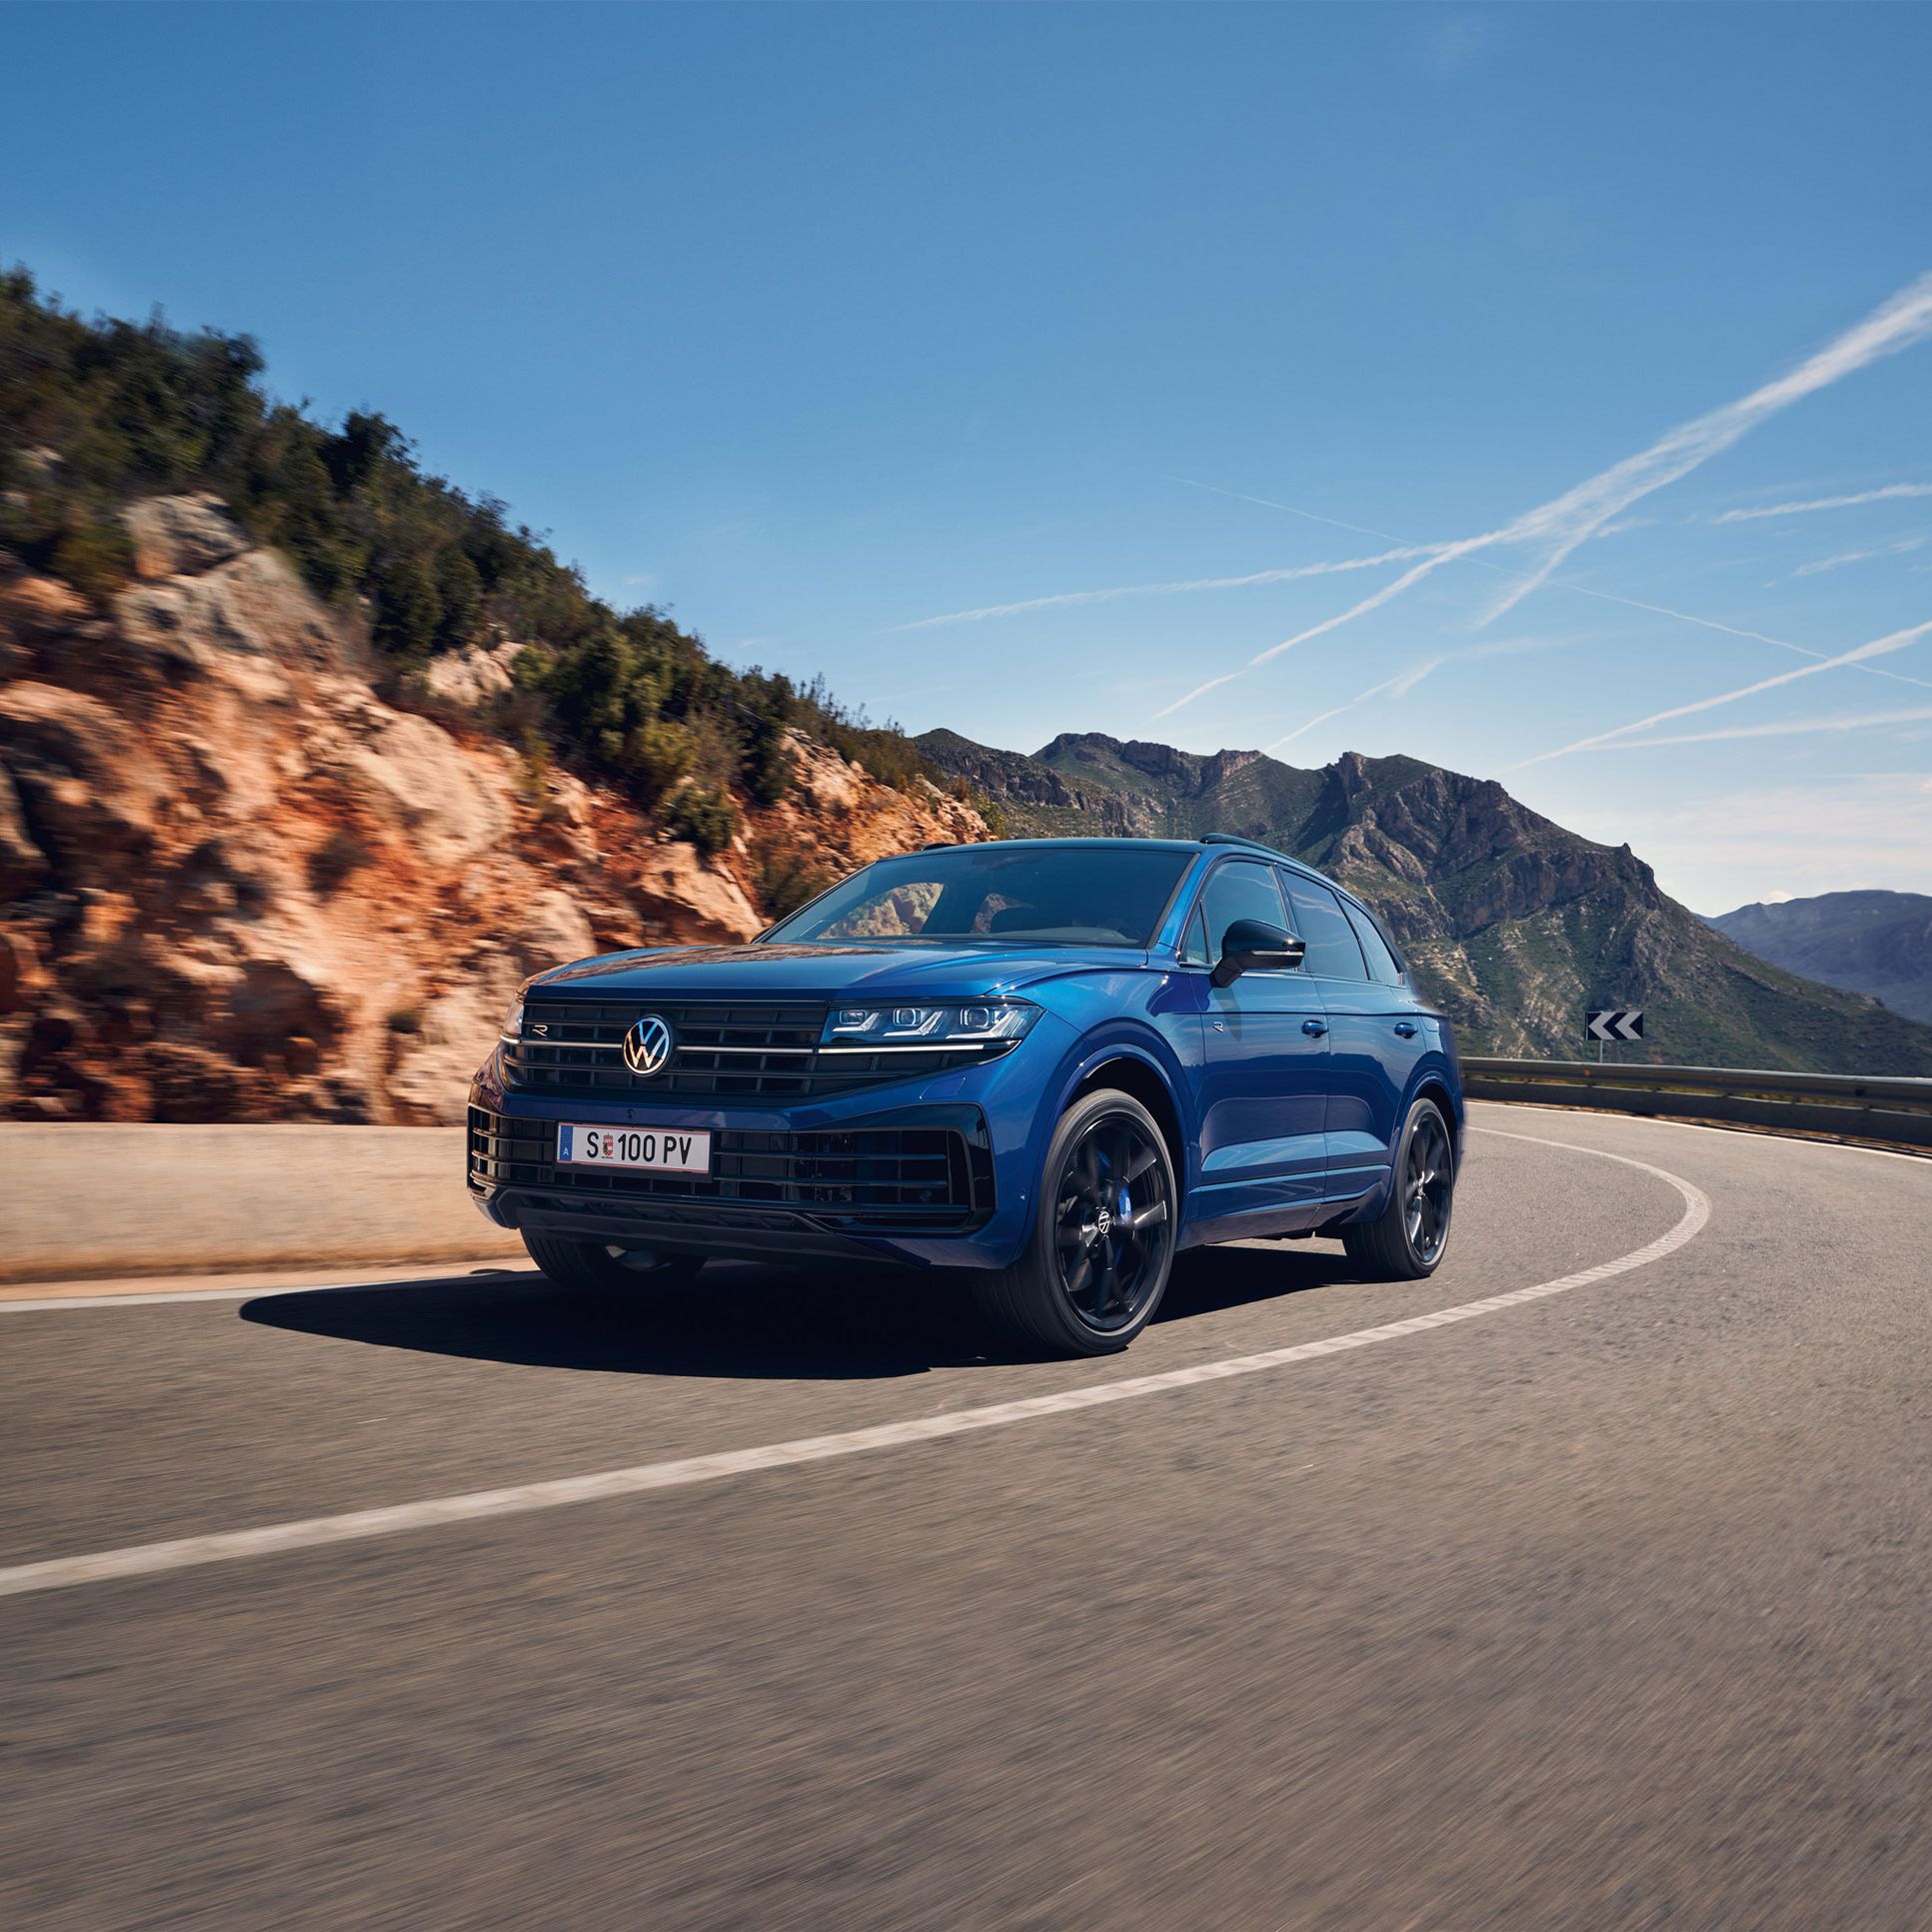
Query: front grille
column 906, row 1176
column 572, row 1049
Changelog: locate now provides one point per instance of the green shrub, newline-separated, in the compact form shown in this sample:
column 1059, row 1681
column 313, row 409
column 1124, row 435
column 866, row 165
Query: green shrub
column 533, row 767
column 655, row 758
column 96, row 558
column 705, row 817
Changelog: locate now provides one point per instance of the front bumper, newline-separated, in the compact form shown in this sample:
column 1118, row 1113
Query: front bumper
column 780, row 1189
column 907, row 1184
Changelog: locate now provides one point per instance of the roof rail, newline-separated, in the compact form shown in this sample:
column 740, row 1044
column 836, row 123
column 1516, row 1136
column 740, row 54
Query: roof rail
column 1236, row 839
column 939, row 844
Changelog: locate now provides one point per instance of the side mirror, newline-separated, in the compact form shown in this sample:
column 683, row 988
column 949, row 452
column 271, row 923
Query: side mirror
column 1253, row 945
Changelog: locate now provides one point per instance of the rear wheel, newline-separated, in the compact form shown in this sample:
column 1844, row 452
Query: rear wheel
column 1408, row 1240
column 592, row 1268
column 1102, row 1243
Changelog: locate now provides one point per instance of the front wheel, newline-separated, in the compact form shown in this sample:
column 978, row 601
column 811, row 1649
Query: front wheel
column 592, row 1268
column 1096, row 1263
column 1408, row 1240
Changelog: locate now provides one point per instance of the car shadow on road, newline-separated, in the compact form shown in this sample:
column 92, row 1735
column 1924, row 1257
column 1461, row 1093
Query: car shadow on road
column 744, row 1321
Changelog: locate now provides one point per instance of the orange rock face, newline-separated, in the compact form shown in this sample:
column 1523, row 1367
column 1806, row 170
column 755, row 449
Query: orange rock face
column 237, row 885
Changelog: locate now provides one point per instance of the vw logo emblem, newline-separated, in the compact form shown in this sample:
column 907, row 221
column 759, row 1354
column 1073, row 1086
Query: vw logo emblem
column 647, row 1046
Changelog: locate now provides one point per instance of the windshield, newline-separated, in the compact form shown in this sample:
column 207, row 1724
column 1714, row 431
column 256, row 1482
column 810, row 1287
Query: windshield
column 1048, row 894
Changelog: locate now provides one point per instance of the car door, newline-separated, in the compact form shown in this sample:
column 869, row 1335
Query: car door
column 1370, row 1056
column 1264, row 1093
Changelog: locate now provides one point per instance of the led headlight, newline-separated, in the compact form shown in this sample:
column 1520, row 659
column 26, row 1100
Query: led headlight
column 983, row 1022
column 513, row 1025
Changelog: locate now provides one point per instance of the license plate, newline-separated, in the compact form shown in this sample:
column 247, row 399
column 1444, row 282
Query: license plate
column 668, row 1150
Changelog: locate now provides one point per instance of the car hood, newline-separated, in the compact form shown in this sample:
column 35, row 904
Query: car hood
column 852, row 972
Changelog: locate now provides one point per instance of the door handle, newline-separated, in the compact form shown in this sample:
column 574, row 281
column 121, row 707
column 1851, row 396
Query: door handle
column 1314, row 1029
column 1407, row 1028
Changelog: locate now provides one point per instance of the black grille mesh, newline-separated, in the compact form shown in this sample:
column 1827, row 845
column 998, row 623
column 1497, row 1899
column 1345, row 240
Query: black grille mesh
column 572, row 1049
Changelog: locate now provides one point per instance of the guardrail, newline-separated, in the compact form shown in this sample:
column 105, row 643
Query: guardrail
column 1847, row 1105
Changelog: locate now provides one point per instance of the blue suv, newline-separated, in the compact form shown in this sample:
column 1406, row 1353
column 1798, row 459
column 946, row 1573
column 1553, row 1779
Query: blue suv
column 1053, row 1063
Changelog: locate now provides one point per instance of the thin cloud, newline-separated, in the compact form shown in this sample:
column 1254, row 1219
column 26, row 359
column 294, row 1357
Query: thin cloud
column 1877, row 648
column 1563, row 523
column 1715, row 851
column 1788, row 728
column 1886, row 495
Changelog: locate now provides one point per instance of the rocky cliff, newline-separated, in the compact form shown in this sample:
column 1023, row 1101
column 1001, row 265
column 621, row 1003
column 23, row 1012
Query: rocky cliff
column 1515, row 924
column 236, row 883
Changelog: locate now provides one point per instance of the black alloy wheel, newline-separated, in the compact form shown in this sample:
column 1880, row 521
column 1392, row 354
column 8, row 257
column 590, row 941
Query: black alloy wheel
column 1409, row 1237
column 1114, row 1223
column 1096, row 1263
column 1427, row 1188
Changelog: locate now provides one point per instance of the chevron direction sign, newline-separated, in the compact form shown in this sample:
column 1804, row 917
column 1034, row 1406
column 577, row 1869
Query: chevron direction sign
column 1624, row 1022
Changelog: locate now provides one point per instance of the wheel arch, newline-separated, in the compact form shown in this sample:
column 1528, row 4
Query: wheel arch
column 1138, row 1077
column 1434, row 1086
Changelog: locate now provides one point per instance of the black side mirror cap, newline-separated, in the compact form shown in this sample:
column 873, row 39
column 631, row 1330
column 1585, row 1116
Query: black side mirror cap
column 1253, row 945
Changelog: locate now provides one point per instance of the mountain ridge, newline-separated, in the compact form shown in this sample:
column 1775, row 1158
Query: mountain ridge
column 1514, row 923
column 1866, row 941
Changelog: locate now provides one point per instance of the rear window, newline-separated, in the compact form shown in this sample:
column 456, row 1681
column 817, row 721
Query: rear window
column 1318, row 919
column 1383, row 962
column 1041, row 894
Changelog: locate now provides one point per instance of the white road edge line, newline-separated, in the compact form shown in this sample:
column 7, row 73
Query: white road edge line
column 148, row 1559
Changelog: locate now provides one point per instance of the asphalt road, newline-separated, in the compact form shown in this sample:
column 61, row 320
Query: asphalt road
column 1607, row 1607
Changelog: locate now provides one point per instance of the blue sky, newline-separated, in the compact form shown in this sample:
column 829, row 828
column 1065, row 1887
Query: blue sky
column 818, row 323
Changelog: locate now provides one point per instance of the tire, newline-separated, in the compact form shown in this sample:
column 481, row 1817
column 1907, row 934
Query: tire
column 1408, row 1240
column 591, row 1268
column 1098, row 1260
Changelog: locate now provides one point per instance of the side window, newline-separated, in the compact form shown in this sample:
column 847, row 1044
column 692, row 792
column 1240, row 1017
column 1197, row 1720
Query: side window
column 1193, row 942
column 1318, row 917
column 1240, row 889
column 1383, row 962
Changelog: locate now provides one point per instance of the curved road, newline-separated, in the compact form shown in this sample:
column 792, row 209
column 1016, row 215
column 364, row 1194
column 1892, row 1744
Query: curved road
column 1606, row 1604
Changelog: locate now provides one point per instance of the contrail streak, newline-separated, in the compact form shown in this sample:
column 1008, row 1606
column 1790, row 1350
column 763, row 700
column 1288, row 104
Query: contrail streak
column 1845, row 557
column 1569, row 583
column 1285, row 575
column 1788, row 728
column 1577, row 514
column 1566, row 522
column 1401, row 684
column 1886, row 495
column 1404, row 681
column 1877, row 648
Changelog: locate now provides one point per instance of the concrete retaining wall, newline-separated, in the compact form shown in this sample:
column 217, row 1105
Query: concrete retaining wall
column 79, row 1200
